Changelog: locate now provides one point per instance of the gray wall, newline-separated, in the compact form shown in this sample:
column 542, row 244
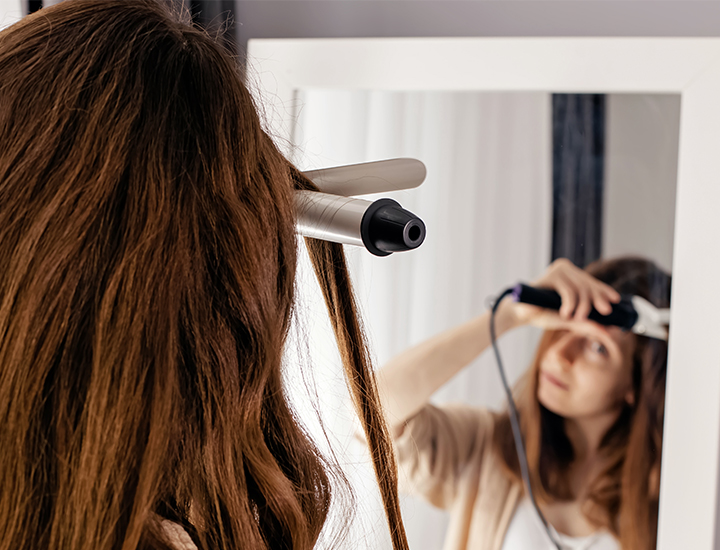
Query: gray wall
column 379, row 18
column 641, row 160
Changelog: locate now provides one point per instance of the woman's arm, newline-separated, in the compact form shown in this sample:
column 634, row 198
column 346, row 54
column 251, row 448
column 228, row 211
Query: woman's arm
column 408, row 380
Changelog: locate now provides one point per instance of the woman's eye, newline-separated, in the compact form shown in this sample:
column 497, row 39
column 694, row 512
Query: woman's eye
column 598, row 348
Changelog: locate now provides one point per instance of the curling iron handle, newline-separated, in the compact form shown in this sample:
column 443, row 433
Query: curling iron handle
column 623, row 313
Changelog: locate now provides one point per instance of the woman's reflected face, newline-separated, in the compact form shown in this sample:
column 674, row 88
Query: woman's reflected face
column 587, row 371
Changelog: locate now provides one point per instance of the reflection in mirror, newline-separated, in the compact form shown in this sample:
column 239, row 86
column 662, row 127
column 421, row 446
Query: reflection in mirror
column 515, row 180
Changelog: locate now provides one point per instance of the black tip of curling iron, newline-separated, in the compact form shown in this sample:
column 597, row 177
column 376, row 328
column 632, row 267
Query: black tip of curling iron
column 387, row 227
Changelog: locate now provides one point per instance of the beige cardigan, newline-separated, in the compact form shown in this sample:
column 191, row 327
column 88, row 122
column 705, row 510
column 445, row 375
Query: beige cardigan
column 445, row 455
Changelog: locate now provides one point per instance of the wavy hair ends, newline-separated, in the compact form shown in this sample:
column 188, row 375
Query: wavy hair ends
column 148, row 255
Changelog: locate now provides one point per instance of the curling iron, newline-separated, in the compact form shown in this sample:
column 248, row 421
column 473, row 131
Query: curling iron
column 631, row 313
column 381, row 226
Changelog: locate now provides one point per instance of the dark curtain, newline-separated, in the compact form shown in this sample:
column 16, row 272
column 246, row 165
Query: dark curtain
column 218, row 17
column 578, row 160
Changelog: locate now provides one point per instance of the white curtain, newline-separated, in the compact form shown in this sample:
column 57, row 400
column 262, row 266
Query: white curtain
column 487, row 205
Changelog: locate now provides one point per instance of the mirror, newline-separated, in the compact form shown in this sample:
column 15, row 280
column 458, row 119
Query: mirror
column 515, row 179
column 689, row 68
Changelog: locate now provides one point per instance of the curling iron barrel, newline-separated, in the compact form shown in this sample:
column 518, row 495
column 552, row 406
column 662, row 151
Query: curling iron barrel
column 382, row 226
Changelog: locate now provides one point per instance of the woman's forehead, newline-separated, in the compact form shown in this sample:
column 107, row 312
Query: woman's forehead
column 623, row 339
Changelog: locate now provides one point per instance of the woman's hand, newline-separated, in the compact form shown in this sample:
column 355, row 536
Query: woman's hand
column 578, row 290
column 408, row 380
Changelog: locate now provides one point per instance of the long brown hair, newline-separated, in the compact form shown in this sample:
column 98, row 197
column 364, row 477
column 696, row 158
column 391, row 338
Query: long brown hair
column 624, row 497
column 147, row 266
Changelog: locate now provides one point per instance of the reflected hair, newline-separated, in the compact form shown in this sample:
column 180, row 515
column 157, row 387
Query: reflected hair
column 624, row 496
column 148, row 254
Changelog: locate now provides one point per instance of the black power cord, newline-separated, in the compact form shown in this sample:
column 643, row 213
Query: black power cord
column 515, row 423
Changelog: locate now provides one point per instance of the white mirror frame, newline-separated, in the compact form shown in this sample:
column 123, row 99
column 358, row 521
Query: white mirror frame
column 686, row 66
column 10, row 12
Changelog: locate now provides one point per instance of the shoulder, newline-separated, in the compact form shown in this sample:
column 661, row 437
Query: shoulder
column 449, row 422
column 176, row 536
column 439, row 447
column 446, row 438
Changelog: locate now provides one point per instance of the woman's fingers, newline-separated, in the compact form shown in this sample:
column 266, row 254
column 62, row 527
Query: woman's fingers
column 585, row 303
column 600, row 296
column 578, row 290
column 604, row 297
column 587, row 292
column 612, row 294
column 580, row 287
column 601, row 302
column 568, row 295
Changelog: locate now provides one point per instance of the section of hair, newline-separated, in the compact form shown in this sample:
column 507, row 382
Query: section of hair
column 341, row 302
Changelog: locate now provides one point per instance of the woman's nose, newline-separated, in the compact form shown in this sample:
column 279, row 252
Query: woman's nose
column 566, row 349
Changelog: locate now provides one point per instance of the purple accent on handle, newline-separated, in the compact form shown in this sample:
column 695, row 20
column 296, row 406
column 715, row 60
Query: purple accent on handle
column 517, row 290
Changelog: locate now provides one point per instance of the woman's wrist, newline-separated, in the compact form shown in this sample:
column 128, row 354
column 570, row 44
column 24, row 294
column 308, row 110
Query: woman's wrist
column 506, row 317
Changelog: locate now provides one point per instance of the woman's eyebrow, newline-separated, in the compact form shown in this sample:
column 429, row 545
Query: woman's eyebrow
column 602, row 335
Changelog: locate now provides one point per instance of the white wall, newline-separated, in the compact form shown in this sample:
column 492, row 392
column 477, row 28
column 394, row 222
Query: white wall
column 641, row 159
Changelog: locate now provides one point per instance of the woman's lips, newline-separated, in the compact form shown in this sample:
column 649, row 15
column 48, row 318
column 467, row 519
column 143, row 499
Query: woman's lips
column 554, row 381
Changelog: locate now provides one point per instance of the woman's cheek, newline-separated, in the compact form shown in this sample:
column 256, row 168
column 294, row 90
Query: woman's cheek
column 556, row 400
column 596, row 393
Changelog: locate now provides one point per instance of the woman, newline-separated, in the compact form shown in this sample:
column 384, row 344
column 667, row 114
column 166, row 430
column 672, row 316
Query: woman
column 148, row 257
column 591, row 411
